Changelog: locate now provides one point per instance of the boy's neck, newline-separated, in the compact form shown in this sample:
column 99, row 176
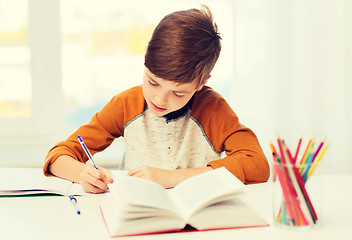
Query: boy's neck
column 180, row 112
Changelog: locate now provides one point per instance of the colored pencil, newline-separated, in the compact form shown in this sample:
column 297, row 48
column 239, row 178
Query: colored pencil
column 297, row 149
column 311, row 170
column 285, row 190
column 302, row 195
column 300, row 211
column 305, row 155
column 318, row 149
column 305, row 158
column 288, row 176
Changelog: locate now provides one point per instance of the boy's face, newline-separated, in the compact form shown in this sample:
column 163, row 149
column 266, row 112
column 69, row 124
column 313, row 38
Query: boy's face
column 163, row 96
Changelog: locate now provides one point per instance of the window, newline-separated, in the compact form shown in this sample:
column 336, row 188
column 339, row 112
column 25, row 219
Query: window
column 61, row 61
column 103, row 48
column 29, row 69
column 15, row 101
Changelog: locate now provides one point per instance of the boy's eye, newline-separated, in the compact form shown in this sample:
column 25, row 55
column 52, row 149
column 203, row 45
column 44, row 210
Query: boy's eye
column 178, row 94
column 153, row 83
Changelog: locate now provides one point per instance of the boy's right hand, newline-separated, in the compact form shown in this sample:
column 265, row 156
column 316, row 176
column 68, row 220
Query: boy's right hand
column 95, row 180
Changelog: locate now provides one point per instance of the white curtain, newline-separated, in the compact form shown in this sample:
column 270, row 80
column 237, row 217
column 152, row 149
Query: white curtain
column 293, row 74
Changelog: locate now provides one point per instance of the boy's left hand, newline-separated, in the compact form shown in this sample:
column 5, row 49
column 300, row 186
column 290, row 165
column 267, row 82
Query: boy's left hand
column 165, row 178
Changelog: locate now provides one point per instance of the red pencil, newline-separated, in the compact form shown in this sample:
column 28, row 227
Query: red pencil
column 285, row 190
column 302, row 193
column 286, row 175
column 297, row 150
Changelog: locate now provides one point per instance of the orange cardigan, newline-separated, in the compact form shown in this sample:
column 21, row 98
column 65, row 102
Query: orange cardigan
column 197, row 137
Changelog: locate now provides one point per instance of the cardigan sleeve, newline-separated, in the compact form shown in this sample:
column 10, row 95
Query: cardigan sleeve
column 244, row 155
column 101, row 130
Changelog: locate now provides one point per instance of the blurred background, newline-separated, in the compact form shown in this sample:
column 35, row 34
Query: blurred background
column 285, row 68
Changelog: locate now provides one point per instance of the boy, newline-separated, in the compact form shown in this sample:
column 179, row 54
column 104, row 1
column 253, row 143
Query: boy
column 173, row 125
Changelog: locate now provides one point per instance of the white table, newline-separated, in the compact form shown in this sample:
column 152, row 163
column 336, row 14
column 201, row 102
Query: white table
column 53, row 217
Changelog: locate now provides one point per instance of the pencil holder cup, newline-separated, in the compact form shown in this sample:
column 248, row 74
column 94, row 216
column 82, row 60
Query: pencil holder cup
column 296, row 196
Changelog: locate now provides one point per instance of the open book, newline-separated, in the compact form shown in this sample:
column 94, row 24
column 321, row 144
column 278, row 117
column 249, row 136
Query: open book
column 31, row 181
column 207, row 201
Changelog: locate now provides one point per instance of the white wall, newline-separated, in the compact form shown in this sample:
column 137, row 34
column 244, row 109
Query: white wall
column 293, row 63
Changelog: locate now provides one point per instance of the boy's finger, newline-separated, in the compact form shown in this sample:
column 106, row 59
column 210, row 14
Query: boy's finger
column 107, row 176
column 97, row 173
column 92, row 189
column 133, row 171
column 110, row 179
column 88, row 179
column 139, row 175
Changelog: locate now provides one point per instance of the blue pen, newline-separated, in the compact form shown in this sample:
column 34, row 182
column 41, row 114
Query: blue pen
column 74, row 202
column 86, row 150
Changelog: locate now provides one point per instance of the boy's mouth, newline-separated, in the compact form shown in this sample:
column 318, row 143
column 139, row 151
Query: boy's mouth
column 156, row 108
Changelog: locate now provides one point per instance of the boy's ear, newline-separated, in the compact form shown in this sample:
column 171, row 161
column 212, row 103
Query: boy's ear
column 205, row 82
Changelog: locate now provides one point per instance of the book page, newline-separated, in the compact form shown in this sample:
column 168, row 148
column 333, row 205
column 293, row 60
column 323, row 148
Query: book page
column 119, row 224
column 135, row 191
column 204, row 189
column 26, row 181
column 227, row 214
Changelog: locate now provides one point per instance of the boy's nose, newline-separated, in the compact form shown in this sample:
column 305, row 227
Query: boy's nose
column 161, row 99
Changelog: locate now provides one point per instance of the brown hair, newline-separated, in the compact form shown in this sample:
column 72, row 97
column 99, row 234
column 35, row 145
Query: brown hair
column 184, row 46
